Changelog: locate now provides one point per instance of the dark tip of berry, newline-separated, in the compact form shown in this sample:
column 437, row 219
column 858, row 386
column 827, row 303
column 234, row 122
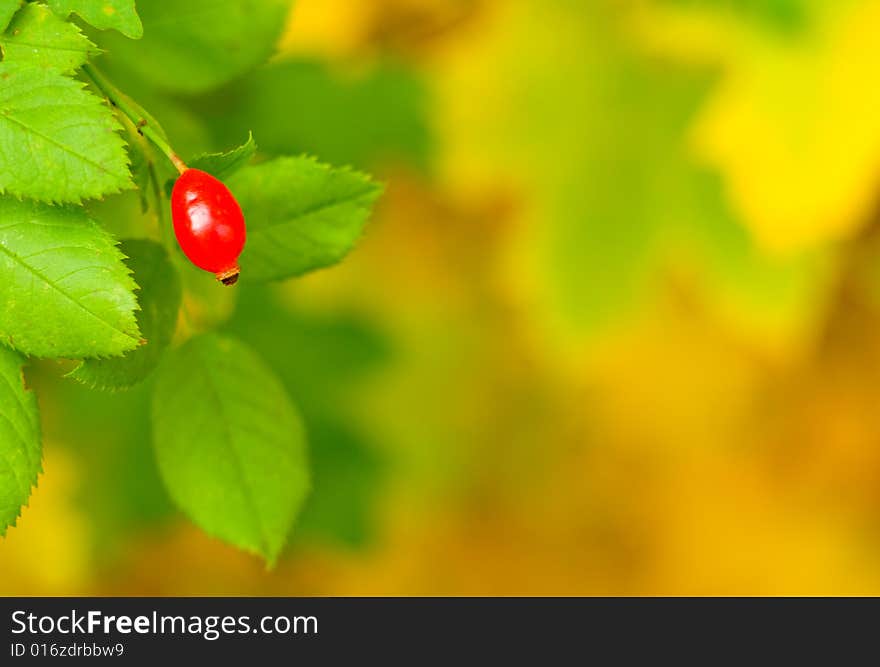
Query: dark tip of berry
column 230, row 277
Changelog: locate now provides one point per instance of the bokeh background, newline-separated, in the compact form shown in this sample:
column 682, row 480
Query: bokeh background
column 615, row 328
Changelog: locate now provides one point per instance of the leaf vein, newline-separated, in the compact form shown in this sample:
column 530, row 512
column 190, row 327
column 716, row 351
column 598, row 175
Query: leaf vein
column 38, row 274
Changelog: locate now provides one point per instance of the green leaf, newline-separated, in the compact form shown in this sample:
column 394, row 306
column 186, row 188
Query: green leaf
column 7, row 11
column 20, row 453
column 159, row 300
column 222, row 165
column 301, row 215
column 58, row 142
column 198, row 45
column 65, row 291
column 38, row 37
column 230, row 444
column 103, row 14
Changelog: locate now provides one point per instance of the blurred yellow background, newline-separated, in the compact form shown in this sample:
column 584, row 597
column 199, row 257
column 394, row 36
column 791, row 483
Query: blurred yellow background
column 626, row 311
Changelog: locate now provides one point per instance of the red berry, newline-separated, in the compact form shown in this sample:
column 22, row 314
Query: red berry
column 208, row 224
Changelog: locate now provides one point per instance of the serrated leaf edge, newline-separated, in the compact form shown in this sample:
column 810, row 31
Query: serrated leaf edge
column 36, row 480
column 116, row 128
column 132, row 286
column 93, row 49
column 136, row 36
column 365, row 207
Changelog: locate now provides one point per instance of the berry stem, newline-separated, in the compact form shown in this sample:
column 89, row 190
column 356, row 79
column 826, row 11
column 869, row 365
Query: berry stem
column 135, row 114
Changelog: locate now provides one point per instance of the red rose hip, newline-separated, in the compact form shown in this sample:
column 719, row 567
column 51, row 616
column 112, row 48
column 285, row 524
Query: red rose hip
column 208, row 224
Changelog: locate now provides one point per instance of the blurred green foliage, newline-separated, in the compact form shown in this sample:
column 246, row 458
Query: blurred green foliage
column 296, row 106
column 567, row 359
column 322, row 361
column 200, row 44
column 785, row 15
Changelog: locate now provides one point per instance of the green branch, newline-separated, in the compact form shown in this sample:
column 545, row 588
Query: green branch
column 135, row 114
